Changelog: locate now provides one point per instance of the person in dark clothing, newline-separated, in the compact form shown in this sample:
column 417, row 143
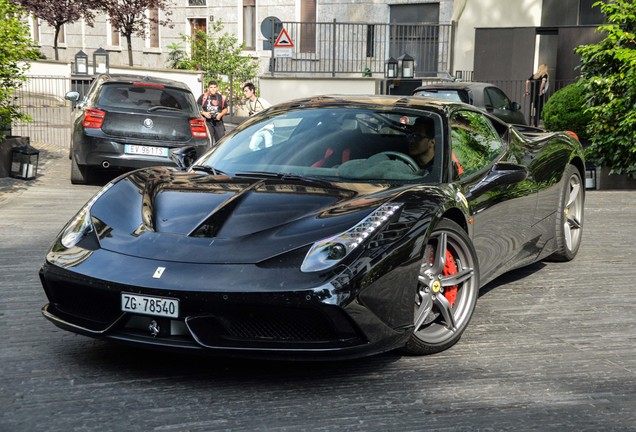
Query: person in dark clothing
column 213, row 108
column 536, row 86
column 422, row 143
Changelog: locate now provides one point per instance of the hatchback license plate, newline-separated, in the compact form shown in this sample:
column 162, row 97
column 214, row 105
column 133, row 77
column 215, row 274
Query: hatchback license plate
column 147, row 305
column 146, row 150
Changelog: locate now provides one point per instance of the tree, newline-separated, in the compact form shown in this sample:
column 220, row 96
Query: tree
column 16, row 48
column 56, row 13
column 609, row 79
column 131, row 17
column 217, row 54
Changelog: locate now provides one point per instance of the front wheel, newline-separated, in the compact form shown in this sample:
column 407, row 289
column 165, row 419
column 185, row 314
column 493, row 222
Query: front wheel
column 447, row 290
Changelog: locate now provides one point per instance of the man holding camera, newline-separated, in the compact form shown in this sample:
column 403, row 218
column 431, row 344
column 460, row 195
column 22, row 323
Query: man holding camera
column 253, row 104
column 213, row 108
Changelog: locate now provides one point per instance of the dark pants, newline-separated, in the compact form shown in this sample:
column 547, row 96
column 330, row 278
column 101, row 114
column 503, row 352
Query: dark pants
column 536, row 106
column 217, row 129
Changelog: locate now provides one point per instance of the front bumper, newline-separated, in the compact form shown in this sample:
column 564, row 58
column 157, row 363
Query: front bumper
column 321, row 323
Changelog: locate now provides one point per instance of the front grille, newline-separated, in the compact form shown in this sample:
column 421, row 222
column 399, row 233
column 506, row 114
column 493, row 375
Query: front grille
column 85, row 301
column 292, row 327
column 270, row 326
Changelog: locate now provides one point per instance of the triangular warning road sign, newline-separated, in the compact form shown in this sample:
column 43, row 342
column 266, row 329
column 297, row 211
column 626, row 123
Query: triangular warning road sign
column 283, row 40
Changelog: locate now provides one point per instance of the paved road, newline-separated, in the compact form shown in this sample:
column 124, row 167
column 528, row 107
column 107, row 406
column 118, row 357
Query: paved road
column 551, row 348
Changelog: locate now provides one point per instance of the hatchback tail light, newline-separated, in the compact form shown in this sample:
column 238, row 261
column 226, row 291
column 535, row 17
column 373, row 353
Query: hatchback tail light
column 198, row 129
column 93, row 118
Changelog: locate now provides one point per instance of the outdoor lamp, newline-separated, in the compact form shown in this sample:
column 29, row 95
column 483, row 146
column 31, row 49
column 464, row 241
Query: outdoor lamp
column 407, row 65
column 81, row 63
column 390, row 68
column 100, row 61
column 24, row 162
column 590, row 176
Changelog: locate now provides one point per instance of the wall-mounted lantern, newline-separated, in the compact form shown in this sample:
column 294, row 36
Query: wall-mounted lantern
column 407, row 66
column 81, row 63
column 100, row 61
column 390, row 68
column 24, row 162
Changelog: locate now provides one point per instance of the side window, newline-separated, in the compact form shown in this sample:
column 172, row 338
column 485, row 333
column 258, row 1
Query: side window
column 496, row 98
column 475, row 143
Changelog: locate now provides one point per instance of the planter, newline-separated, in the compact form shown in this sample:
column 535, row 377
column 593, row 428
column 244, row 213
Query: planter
column 6, row 152
column 607, row 181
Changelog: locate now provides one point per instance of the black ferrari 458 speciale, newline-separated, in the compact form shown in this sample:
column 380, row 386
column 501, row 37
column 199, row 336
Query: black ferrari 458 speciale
column 324, row 228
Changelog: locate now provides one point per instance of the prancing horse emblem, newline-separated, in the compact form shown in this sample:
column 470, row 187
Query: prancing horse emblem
column 158, row 272
column 154, row 328
column 148, row 123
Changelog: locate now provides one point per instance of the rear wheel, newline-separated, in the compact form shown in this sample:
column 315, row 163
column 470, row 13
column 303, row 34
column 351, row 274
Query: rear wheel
column 569, row 219
column 79, row 173
column 447, row 290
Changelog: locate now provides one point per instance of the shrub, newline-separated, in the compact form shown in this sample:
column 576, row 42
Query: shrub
column 565, row 110
column 609, row 79
column 16, row 49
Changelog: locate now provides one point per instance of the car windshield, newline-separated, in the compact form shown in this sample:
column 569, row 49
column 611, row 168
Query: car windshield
column 144, row 97
column 335, row 143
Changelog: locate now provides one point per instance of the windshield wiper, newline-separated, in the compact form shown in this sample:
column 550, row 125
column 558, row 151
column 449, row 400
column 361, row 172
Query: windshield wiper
column 280, row 175
column 161, row 107
column 208, row 169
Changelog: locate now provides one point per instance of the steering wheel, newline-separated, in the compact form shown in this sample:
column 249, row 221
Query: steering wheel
column 402, row 157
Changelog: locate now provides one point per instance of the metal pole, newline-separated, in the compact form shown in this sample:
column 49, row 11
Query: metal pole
column 333, row 50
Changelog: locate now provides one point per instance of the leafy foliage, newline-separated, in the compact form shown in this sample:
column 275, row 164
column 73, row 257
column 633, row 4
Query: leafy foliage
column 16, row 49
column 609, row 79
column 130, row 18
column 56, row 13
column 565, row 110
column 218, row 55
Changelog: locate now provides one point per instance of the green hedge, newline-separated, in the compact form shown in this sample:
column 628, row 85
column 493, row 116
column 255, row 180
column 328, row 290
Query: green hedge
column 565, row 110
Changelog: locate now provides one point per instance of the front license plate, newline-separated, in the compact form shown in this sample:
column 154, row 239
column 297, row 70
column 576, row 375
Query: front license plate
column 146, row 150
column 147, row 305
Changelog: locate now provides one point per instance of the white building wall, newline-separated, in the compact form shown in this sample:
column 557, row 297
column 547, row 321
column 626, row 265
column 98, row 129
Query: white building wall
column 490, row 13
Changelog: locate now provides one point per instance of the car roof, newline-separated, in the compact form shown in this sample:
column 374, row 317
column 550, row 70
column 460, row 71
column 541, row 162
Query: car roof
column 131, row 78
column 375, row 100
column 455, row 85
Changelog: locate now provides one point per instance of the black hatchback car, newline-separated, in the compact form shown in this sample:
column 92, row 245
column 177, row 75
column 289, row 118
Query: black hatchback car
column 132, row 121
column 485, row 96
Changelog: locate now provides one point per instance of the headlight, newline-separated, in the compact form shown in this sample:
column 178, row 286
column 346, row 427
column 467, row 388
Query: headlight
column 81, row 225
column 330, row 251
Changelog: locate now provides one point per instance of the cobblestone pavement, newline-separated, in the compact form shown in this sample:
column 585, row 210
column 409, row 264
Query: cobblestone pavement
column 551, row 347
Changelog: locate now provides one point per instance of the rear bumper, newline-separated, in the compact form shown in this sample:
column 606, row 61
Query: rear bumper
column 107, row 153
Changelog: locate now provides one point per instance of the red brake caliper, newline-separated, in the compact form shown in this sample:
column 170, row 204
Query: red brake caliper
column 450, row 269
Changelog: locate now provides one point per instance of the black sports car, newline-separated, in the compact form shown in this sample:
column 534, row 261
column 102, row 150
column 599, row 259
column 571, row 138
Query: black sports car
column 329, row 227
column 132, row 121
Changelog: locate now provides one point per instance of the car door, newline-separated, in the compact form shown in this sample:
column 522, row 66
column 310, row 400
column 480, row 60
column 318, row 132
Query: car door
column 500, row 194
column 500, row 105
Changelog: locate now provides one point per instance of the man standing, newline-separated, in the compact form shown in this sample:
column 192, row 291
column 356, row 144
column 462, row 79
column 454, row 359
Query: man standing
column 213, row 108
column 253, row 104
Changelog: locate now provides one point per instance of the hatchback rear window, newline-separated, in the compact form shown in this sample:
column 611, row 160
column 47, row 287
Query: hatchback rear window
column 140, row 97
column 454, row 95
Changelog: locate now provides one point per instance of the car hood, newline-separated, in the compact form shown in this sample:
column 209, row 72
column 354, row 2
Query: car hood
column 161, row 213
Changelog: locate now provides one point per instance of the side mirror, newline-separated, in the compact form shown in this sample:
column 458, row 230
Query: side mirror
column 72, row 96
column 515, row 106
column 183, row 157
column 501, row 174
